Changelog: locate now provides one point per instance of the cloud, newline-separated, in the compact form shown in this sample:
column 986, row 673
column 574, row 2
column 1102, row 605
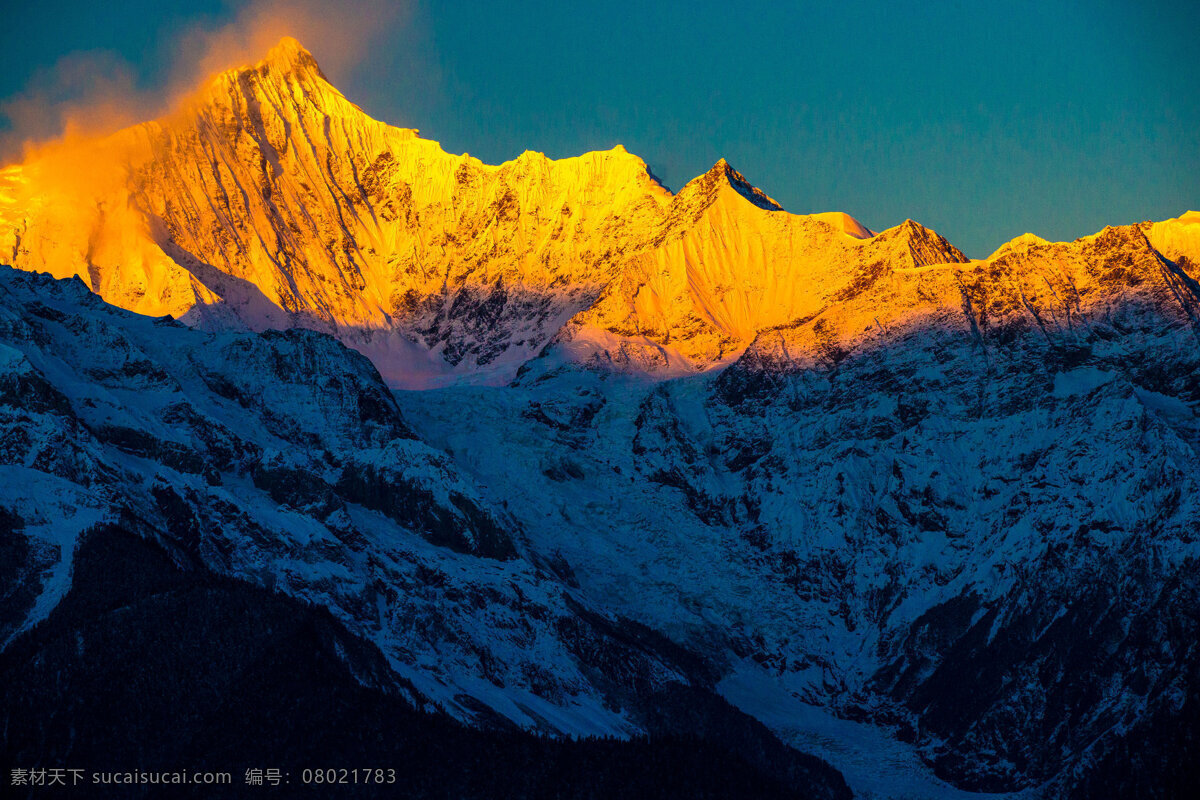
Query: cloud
column 339, row 34
column 89, row 94
column 81, row 93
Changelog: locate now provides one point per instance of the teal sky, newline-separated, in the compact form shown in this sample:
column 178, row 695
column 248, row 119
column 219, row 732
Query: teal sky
column 981, row 120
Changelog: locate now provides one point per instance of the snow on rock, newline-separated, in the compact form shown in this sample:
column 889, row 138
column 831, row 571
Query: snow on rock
column 1176, row 238
column 268, row 200
column 281, row 458
column 958, row 472
column 885, row 498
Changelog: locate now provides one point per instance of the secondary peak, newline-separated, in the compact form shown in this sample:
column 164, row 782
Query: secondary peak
column 722, row 170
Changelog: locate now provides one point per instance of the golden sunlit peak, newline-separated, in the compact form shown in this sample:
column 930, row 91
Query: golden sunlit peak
column 1020, row 244
column 288, row 49
column 286, row 57
column 289, row 54
column 722, row 171
column 286, row 62
column 1028, row 240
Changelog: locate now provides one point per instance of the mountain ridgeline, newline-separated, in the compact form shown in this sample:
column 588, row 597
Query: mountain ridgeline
column 751, row 503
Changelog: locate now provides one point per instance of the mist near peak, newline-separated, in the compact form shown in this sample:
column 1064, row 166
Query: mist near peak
column 86, row 95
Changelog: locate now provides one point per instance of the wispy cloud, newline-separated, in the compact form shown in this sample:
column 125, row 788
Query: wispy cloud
column 93, row 93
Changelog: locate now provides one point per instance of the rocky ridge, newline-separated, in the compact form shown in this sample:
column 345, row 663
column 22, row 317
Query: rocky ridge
column 880, row 496
column 268, row 200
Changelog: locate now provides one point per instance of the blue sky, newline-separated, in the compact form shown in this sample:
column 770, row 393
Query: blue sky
column 982, row 120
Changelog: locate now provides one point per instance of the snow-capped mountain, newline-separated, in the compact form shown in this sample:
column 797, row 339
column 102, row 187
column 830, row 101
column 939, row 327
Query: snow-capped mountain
column 268, row 200
column 931, row 519
column 958, row 504
column 281, row 461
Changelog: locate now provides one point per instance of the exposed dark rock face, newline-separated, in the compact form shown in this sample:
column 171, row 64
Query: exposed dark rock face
column 151, row 662
column 454, row 521
column 297, row 553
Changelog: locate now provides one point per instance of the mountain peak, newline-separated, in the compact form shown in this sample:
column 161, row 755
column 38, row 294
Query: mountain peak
column 288, row 53
column 286, row 62
column 924, row 245
column 288, row 72
column 286, row 58
column 287, row 47
column 723, row 172
column 1020, row 244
